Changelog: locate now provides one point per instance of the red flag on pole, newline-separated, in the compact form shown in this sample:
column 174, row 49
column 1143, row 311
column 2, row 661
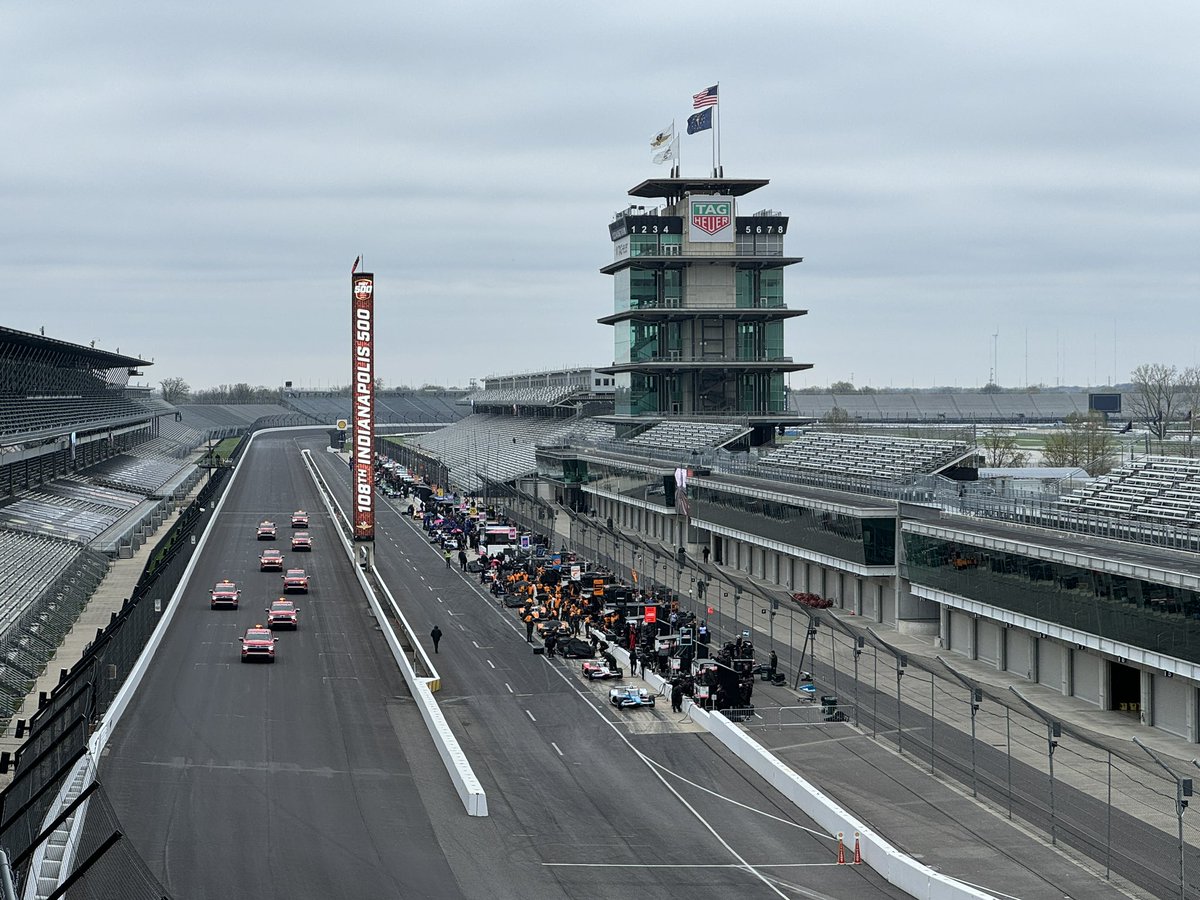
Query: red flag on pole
column 354, row 268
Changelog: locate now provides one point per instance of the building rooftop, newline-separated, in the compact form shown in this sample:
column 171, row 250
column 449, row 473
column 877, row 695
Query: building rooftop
column 677, row 187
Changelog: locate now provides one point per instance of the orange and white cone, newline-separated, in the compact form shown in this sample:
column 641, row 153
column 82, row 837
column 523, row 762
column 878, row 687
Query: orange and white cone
column 841, row 849
column 857, row 850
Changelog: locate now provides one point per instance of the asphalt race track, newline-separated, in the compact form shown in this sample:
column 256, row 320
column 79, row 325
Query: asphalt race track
column 315, row 776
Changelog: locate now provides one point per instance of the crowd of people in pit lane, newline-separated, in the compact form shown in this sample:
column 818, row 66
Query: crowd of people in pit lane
column 579, row 611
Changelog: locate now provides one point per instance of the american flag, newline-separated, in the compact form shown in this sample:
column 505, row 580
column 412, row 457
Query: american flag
column 707, row 97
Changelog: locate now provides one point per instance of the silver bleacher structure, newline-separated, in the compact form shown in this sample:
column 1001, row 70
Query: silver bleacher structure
column 1155, row 489
column 934, row 407
column 89, row 465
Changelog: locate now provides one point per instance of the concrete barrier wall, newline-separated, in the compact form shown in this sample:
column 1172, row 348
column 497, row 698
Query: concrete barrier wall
column 898, row 868
column 470, row 791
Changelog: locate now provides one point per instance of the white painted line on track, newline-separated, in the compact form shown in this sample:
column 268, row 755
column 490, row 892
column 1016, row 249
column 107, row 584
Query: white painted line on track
column 531, row 718
column 476, row 644
column 492, row 664
column 556, row 750
column 509, row 686
column 577, row 865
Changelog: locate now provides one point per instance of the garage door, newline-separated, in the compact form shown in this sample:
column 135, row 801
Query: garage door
column 960, row 633
column 988, row 639
column 1050, row 658
column 1171, row 699
column 1086, row 671
column 1020, row 652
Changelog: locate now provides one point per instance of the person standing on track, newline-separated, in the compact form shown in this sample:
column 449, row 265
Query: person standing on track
column 436, row 637
column 446, row 554
column 462, row 560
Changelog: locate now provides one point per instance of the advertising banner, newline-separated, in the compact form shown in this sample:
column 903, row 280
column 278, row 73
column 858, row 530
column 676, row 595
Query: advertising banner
column 362, row 367
column 710, row 219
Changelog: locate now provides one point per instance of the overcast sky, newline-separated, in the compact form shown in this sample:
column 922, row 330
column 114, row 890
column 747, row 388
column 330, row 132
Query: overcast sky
column 969, row 183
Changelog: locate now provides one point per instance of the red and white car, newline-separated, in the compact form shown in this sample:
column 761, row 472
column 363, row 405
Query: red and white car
column 266, row 531
column 302, row 541
column 270, row 560
column 225, row 593
column 295, row 580
column 299, row 519
column 598, row 671
column 282, row 614
column 258, row 644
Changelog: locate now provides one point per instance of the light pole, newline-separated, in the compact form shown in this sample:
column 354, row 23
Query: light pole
column 976, row 700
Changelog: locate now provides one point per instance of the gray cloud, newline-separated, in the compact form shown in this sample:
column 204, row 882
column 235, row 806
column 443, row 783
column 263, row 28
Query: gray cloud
column 192, row 183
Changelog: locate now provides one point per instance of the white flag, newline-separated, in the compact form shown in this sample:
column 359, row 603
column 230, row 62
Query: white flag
column 663, row 137
column 672, row 152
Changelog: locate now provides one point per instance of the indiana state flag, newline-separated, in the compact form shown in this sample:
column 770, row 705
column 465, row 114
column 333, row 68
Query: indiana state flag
column 701, row 121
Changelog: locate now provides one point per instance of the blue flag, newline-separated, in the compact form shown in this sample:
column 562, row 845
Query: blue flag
column 701, row 121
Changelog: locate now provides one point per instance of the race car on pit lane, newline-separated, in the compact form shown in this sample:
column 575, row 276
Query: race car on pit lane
column 628, row 696
column 225, row 593
column 282, row 614
column 302, row 541
column 258, row 644
column 266, row 531
column 295, row 580
column 270, row 559
column 598, row 671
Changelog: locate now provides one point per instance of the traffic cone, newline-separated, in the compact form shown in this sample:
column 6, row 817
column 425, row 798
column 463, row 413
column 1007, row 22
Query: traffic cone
column 857, row 850
column 841, row 850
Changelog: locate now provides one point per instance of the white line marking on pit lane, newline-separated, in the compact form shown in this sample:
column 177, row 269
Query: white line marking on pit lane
column 440, row 600
column 531, row 718
column 556, row 750
column 509, row 686
column 492, row 664
column 476, row 645
column 565, row 865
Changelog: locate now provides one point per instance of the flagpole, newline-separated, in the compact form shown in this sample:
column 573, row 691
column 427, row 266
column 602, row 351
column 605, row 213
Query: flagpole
column 717, row 132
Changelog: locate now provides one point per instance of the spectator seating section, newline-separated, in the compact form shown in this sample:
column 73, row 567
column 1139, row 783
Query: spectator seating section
column 31, row 415
column 1158, row 489
column 206, row 417
column 688, row 435
column 551, row 395
column 867, row 456
column 28, row 563
column 499, row 447
column 963, row 406
column 390, row 408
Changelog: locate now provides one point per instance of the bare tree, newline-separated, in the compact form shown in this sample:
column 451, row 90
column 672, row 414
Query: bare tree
column 1156, row 390
column 175, row 390
column 837, row 419
column 1189, row 395
column 1084, row 442
column 1001, row 449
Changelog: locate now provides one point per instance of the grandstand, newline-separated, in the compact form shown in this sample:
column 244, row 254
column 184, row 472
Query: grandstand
column 869, row 455
column 1156, row 489
column 499, row 448
column 391, row 407
column 959, row 407
column 672, row 435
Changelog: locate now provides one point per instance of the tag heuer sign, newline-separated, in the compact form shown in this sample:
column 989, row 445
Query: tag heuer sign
column 363, row 288
column 710, row 219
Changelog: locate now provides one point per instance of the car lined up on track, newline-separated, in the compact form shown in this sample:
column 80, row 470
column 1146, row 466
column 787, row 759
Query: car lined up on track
column 225, row 593
column 282, row 614
column 266, row 530
column 302, row 541
column 258, row 645
column 295, row 580
column 270, row 560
